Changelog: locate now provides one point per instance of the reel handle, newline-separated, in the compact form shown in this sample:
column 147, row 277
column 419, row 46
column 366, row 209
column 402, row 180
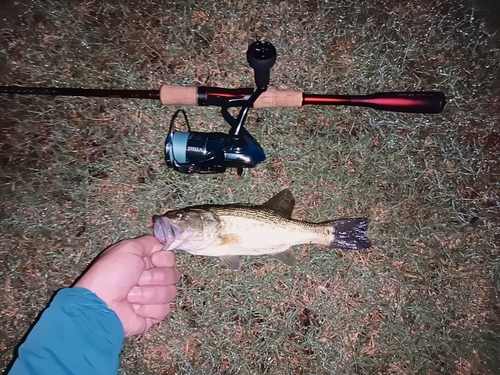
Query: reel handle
column 261, row 56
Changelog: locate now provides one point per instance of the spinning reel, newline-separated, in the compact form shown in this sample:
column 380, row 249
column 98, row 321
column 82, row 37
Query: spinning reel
column 199, row 152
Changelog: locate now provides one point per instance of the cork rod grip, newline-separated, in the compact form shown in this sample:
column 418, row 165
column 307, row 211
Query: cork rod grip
column 179, row 95
column 272, row 98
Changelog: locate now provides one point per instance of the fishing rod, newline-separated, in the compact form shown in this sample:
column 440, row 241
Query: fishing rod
column 413, row 102
column 201, row 152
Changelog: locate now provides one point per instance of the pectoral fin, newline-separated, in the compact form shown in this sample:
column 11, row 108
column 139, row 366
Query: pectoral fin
column 231, row 261
column 287, row 257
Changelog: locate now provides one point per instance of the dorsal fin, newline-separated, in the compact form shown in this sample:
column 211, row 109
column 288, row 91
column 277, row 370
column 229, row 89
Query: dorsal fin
column 283, row 202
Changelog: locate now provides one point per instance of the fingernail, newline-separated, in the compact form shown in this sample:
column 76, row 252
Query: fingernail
column 134, row 294
column 145, row 278
column 136, row 307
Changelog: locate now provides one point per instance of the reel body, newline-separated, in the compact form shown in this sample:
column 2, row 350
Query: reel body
column 201, row 152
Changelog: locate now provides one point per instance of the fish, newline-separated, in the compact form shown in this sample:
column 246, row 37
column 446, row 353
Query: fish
column 234, row 230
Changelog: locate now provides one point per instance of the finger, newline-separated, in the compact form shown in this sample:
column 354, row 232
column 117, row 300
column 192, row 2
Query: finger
column 143, row 246
column 152, row 295
column 163, row 259
column 142, row 324
column 147, row 263
column 154, row 312
column 159, row 276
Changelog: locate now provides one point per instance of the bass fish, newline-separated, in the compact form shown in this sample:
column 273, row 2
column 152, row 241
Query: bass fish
column 234, row 230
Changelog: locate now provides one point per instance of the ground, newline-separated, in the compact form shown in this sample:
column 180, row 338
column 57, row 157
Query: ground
column 78, row 174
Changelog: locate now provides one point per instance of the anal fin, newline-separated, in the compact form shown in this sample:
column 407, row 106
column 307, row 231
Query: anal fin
column 231, row 261
column 287, row 257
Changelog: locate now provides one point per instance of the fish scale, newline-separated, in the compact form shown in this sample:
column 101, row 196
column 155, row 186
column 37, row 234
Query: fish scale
column 263, row 231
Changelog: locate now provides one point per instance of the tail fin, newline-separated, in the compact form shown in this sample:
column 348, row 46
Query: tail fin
column 349, row 234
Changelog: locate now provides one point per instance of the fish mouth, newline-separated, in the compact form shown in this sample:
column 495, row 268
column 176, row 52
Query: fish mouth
column 166, row 232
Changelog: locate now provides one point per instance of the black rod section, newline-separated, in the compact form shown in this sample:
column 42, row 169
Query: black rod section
column 102, row 93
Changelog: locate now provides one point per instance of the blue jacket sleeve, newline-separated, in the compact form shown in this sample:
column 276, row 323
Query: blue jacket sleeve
column 76, row 334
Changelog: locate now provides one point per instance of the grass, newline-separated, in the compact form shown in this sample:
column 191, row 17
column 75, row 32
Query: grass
column 78, row 174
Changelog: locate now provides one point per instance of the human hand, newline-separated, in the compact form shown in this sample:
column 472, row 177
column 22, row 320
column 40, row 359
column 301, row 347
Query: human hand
column 136, row 280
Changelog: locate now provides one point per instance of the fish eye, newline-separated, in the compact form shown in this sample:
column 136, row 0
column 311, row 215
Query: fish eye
column 180, row 216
